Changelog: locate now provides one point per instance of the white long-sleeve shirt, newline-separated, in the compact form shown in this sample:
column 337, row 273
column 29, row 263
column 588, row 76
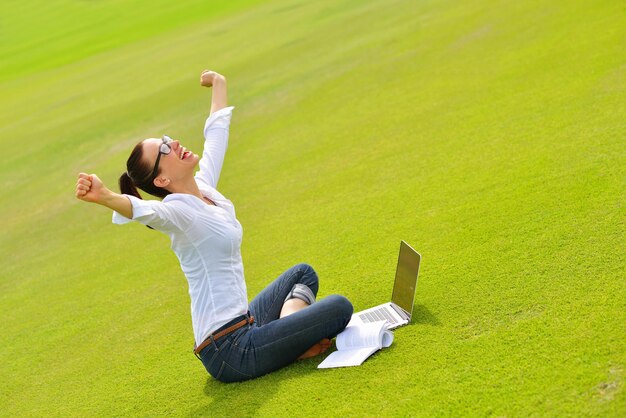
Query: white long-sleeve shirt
column 205, row 238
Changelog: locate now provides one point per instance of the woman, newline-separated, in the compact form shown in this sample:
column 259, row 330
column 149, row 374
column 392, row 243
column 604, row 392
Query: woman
column 234, row 340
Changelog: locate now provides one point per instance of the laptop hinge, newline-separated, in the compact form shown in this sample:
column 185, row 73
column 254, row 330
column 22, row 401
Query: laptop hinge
column 403, row 314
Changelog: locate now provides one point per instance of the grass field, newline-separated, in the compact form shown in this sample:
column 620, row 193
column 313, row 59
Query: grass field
column 490, row 135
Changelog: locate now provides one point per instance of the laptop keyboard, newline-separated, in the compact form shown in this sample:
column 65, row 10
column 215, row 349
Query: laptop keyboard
column 379, row 314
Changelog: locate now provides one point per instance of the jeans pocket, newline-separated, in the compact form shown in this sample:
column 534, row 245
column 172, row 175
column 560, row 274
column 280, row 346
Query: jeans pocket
column 228, row 374
column 213, row 356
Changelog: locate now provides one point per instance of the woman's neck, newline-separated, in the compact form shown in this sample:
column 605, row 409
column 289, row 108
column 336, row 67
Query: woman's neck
column 188, row 186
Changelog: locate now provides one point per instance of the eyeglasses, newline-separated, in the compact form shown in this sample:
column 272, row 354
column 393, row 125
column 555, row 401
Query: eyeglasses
column 164, row 149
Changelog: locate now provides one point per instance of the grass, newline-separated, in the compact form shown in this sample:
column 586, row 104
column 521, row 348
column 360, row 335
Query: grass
column 488, row 135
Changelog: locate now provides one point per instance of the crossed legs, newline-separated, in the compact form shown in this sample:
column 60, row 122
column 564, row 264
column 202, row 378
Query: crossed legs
column 293, row 324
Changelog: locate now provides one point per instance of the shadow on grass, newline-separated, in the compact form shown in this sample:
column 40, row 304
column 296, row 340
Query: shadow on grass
column 237, row 399
column 421, row 315
column 246, row 398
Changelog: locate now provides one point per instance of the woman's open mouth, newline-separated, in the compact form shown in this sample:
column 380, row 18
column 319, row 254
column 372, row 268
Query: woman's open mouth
column 185, row 154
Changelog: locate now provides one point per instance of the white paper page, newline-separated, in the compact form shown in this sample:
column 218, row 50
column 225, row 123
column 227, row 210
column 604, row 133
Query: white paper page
column 361, row 336
column 387, row 338
column 347, row 358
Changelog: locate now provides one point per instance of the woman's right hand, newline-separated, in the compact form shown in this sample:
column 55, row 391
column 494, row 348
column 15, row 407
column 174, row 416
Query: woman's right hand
column 89, row 188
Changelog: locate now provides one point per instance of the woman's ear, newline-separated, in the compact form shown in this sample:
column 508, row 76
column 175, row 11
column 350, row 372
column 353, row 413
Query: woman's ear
column 162, row 182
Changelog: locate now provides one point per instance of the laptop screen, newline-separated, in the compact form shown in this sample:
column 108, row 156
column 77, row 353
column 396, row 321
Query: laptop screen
column 406, row 277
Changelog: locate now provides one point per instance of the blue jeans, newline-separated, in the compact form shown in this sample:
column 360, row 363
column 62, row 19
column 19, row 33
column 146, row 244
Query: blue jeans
column 271, row 343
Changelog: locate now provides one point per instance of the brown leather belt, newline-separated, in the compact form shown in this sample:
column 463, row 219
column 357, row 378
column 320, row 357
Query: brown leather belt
column 214, row 337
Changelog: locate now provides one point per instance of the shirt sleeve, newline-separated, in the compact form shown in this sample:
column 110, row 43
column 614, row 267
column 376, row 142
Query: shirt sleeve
column 215, row 144
column 164, row 216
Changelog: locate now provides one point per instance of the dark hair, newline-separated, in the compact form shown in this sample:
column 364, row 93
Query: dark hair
column 139, row 175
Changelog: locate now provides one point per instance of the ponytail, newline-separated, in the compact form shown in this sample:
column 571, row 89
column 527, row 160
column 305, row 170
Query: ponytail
column 127, row 186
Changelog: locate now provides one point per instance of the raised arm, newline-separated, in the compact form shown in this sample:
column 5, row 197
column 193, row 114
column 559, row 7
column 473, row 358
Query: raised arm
column 89, row 188
column 216, row 131
column 165, row 217
column 219, row 99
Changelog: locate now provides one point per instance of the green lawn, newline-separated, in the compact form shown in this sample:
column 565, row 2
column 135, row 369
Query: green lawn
column 489, row 135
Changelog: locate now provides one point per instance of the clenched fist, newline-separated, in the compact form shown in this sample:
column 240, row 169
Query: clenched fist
column 207, row 78
column 89, row 188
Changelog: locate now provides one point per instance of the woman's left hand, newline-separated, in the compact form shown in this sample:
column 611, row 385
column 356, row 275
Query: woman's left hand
column 207, row 78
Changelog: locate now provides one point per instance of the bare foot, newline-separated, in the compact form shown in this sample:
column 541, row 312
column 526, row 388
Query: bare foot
column 316, row 350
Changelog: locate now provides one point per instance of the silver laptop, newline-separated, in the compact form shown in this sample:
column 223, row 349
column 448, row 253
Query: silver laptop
column 398, row 311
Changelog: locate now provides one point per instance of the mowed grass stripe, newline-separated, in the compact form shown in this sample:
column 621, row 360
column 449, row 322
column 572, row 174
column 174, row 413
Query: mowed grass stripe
column 39, row 36
column 489, row 136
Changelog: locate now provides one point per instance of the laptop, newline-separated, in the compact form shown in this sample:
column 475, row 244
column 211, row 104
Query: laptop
column 398, row 311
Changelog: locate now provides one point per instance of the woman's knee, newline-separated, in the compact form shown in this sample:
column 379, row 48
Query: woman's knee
column 308, row 276
column 305, row 268
column 342, row 306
